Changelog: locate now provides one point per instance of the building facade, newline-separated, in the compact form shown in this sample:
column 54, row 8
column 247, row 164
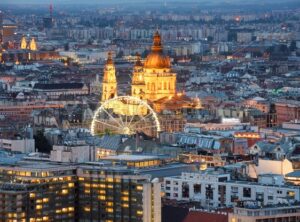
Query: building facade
column 215, row 189
column 32, row 191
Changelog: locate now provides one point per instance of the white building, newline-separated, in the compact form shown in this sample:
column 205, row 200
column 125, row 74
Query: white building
column 18, row 145
column 264, row 166
column 73, row 153
column 255, row 213
column 217, row 189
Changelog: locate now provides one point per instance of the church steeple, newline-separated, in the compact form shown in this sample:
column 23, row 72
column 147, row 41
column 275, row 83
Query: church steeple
column 138, row 81
column 109, row 83
column 157, row 45
column 32, row 45
column 23, row 44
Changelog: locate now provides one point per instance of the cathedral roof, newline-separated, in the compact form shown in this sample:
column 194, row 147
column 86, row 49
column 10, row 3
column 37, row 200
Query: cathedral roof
column 156, row 59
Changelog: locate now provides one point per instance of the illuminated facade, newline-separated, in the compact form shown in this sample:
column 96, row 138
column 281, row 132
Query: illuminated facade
column 116, row 195
column 23, row 44
column 32, row 45
column 39, row 191
column 109, row 85
column 154, row 80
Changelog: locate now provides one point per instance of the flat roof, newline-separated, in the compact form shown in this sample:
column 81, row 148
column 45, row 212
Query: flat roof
column 127, row 157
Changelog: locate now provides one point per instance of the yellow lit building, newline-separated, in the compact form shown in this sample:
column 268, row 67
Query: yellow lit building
column 154, row 80
column 109, row 83
column 23, row 43
column 32, row 45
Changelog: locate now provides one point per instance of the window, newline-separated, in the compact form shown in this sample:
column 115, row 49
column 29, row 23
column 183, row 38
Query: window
column 197, row 188
column 247, row 192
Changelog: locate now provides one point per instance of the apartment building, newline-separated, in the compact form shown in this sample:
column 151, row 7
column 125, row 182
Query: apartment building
column 216, row 188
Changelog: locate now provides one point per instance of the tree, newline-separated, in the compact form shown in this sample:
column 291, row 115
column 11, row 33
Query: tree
column 41, row 143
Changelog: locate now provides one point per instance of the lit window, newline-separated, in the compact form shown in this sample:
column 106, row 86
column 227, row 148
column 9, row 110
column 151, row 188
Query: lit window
column 32, row 195
column 87, row 209
column 101, row 197
column 139, row 212
column 139, row 187
column 125, row 205
column 64, row 191
column 109, row 210
column 125, row 193
column 38, row 207
column 125, row 198
column 70, row 185
column 71, row 209
column 109, row 179
column 109, row 204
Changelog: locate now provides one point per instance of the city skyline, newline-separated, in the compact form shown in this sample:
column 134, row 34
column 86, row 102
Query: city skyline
column 149, row 111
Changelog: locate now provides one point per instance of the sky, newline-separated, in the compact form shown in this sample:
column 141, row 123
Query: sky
column 120, row 1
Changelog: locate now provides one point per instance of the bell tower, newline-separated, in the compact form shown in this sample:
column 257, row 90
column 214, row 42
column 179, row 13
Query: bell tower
column 109, row 83
column 138, row 81
column 23, row 44
column 32, row 45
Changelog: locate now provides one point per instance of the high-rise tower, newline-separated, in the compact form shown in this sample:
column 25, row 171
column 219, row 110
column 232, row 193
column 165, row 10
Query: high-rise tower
column 109, row 83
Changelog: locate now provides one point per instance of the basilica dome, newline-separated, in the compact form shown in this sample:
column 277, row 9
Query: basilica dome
column 156, row 59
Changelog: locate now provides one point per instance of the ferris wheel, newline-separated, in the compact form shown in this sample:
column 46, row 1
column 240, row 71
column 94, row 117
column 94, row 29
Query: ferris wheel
column 125, row 115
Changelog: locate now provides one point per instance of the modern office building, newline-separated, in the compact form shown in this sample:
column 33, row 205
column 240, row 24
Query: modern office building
column 108, row 194
column 32, row 191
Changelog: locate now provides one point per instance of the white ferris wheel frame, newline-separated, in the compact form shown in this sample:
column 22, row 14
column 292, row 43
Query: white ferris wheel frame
column 126, row 98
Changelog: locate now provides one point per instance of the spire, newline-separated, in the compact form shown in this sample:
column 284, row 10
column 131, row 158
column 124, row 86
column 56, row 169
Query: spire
column 109, row 59
column 32, row 45
column 23, row 43
column 138, row 60
column 109, row 82
column 157, row 46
